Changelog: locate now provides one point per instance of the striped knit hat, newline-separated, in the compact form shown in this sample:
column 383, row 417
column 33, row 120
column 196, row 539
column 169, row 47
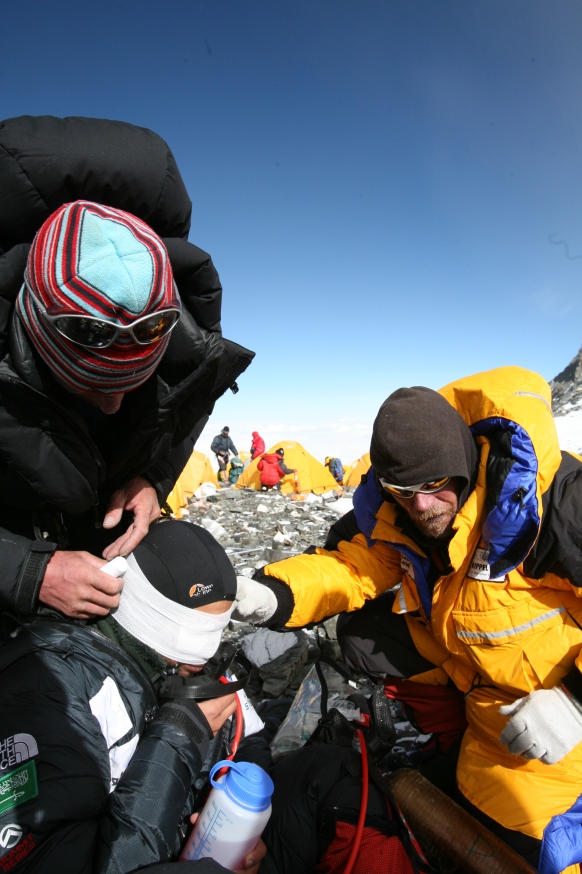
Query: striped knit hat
column 96, row 260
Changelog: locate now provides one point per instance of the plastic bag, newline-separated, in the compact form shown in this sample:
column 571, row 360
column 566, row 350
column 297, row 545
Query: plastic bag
column 305, row 712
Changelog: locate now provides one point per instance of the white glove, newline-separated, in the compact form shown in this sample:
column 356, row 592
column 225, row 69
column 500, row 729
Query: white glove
column 544, row 725
column 254, row 602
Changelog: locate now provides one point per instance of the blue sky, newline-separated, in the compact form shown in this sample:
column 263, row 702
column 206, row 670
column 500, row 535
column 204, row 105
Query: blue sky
column 377, row 181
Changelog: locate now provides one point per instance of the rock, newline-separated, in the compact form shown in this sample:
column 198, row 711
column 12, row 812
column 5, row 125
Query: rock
column 252, row 520
column 567, row 387
column 206, row 490
column 213, row 527
column 341, row 506
column 226, row 494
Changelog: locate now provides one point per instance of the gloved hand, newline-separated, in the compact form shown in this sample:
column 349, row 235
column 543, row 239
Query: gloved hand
column 544, row 725
column 254, row 602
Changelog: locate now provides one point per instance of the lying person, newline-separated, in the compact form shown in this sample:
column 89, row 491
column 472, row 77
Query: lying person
column 95, row 775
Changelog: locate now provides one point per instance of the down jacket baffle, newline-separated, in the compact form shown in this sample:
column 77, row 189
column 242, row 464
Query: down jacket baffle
column 56, row 477
column 506, row 620
column 102, row 780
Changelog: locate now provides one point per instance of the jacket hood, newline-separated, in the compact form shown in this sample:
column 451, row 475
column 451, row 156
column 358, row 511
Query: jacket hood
column 508, row 411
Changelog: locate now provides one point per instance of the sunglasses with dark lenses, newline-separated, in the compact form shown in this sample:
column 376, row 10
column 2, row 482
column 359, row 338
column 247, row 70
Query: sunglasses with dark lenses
column 425, row 488
column 96, row 333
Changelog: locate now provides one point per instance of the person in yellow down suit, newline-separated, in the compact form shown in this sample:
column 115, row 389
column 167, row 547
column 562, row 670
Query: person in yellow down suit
column 471, row 507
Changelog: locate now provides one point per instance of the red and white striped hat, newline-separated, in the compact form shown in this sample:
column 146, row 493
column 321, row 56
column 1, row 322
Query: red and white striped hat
column 98, row 261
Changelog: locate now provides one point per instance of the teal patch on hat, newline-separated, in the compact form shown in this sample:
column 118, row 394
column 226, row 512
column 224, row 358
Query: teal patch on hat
column 113, row 261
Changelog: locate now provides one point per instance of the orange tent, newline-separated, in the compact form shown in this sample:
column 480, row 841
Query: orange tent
column 358, row 469
column 198, row 470
column 312, row 475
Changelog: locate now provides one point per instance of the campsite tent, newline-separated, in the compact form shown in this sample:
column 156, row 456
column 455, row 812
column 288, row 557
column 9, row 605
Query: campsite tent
column 347, row 471
column 311, row 474
column 358, row 469
column 198, row 470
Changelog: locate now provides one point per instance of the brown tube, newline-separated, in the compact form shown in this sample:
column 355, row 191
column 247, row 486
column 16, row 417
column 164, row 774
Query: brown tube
column 452, row 840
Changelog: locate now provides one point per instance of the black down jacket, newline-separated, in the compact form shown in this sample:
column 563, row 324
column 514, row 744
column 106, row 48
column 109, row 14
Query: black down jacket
column 93, row 778
column 55, row 477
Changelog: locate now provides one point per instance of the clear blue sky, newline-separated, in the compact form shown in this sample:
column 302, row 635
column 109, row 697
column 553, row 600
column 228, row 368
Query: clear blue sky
column 376, row 180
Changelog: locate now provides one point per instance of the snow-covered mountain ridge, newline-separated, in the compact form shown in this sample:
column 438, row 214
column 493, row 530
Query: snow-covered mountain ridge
column 567, row 404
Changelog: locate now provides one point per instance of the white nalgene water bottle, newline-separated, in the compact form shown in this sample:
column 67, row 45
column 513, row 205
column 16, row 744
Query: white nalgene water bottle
column 234, row 816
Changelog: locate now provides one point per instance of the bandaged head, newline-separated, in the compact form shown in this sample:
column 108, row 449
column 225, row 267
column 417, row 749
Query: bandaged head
column 176, row 567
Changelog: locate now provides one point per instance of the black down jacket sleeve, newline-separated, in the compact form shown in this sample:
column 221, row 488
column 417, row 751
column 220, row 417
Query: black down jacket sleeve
column 24, row 562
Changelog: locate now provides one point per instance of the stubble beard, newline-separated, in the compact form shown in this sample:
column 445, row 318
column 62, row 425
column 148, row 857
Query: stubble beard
column 435, row 523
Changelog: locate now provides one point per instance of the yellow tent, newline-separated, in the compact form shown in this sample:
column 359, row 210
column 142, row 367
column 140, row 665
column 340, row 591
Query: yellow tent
column 311, row 474
column 347, row 471
column 358, row 468
column 198, row 470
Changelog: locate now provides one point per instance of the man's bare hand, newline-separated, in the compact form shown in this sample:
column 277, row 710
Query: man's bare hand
column 74, row 585
column 251, row 861
column 140, row 498
column 217, row 710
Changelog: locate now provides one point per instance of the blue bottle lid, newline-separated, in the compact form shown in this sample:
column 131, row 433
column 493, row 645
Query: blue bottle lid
column 245, row 783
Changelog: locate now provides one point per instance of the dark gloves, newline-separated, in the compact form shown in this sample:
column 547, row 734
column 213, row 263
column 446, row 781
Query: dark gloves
column 186, row 714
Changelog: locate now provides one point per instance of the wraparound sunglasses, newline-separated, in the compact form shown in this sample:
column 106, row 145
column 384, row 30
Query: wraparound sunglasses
column 97, row 333
column 426, row 488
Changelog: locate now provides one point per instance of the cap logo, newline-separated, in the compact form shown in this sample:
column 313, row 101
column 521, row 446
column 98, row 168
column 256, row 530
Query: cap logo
column 200, row 589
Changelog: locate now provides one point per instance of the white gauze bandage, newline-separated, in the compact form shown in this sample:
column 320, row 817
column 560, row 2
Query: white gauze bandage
column 186, row 635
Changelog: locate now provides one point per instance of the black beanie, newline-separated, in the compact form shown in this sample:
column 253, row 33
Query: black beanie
column 186, row 564
column 419, row 437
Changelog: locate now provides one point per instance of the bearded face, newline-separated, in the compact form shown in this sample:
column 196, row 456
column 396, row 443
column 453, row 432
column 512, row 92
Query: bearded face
column 433, row 514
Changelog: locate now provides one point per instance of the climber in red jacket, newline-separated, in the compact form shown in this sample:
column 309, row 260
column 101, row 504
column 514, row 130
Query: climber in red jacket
column 257, row 446
column 273, row 469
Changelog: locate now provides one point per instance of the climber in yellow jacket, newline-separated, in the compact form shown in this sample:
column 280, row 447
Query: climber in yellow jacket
column 471, row 507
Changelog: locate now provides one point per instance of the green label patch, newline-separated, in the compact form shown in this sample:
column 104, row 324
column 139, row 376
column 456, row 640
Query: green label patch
column 18, row 786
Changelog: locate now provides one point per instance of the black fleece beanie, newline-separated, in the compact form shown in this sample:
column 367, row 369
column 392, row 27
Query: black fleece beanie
column 186, row 564
column 418, row 437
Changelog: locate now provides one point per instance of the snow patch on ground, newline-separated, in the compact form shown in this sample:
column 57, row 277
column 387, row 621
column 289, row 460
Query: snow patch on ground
column 569, row 428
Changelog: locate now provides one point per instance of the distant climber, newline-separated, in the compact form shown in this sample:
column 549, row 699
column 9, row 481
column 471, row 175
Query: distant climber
column 273, row 469
column 235, row 469
column 222, row 445
column 257, row 446
column 336, row 469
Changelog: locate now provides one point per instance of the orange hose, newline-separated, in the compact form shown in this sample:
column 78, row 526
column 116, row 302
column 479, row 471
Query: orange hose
column 239, row 721
column 363, row 805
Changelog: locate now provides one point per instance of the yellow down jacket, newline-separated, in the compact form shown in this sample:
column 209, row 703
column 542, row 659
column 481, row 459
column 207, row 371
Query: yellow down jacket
column 495, row 632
